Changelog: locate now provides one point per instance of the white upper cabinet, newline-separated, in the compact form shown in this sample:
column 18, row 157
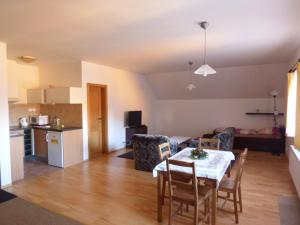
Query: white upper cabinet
column 36, row 95
column 69, row 95
column 13, row 88
column 20, row 78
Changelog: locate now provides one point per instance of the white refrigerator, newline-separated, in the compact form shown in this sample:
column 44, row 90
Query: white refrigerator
column 55, row 149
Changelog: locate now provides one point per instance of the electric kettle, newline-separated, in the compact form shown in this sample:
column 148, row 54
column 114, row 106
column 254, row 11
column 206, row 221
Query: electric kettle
column 23, row 122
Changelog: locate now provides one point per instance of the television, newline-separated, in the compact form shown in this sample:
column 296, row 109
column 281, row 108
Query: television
column 134, row 118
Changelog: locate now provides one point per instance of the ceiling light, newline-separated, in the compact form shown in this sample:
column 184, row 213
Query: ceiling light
column 191, row 87
column 205, row 69
column 27, row 58
column 274, row 93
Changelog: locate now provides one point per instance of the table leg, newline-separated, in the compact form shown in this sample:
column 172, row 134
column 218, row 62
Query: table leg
column 214, row 205
column 159, row 198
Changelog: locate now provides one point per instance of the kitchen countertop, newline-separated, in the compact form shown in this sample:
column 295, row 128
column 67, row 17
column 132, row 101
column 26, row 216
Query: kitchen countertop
column 66, row 128
column 15, row 135
column 16, row 128
column 57, row 129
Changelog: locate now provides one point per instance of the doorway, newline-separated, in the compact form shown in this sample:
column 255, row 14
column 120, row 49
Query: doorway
column 97, row 119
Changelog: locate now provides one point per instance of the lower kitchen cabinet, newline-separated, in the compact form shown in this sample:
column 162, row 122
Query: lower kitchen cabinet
column 40, row 144
column 17, row 158
column 73, row 147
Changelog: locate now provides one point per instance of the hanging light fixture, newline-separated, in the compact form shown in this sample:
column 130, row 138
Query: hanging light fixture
column 205, row 69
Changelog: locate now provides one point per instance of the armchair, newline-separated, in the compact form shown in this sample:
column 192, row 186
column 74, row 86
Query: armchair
column 146, row 152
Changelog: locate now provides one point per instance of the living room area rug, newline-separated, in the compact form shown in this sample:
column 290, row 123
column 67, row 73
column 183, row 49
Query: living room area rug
column 20, row 212
column 289, row 210
column 127, row 155
column 6, row 196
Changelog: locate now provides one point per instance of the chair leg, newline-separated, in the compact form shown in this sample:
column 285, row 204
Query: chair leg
column 235, row 208
column 228, row 172
column 196, row 220
column 240, row 198
column 170, row 211
column 207, row 210
column 205, row 207
column 164, row 190
column 228, row 195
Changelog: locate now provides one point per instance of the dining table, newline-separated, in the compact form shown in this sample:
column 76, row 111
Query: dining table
column 211, row 168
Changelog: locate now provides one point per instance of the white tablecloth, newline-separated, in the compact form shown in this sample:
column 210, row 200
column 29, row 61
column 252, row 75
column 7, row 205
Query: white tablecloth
column 213, row 167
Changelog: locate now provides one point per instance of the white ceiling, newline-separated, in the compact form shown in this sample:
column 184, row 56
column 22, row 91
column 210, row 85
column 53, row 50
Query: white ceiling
column 151, row 36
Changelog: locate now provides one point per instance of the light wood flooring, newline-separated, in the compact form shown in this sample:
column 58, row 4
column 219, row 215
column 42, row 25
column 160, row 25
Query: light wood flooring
column 108, row 190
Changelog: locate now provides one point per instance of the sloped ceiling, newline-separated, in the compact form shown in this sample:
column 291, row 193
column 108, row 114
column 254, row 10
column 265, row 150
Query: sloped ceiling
column 151, row 36
column 232, row 82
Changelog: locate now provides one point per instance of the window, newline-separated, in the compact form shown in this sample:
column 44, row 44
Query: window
column 291, row 104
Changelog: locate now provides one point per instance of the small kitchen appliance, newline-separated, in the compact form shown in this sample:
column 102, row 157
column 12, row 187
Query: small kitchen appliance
column 23, row 122
column 39, row 120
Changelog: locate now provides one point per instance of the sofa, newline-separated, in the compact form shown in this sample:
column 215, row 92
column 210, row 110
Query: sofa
column 226, row 137
column 145, row 148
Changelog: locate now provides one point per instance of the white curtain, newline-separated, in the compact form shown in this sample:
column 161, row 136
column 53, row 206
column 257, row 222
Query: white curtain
column 291, row 104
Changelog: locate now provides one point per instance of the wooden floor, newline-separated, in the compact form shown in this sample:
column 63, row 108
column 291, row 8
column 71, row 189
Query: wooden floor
column 107, row 190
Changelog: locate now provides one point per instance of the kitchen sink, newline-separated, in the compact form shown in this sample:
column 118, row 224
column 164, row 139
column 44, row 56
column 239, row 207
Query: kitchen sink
column 42, row 126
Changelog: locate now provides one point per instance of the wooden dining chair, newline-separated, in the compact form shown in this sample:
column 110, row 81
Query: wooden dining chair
column 233, row 186
column 209, row 143
column 164, row 151
column 187, row 193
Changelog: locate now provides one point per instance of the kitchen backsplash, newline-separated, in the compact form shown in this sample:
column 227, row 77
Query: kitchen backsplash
column 69, row 114
column 17, row 111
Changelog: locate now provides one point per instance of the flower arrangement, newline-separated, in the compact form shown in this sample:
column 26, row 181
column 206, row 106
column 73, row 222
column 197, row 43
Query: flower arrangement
column 198, row 154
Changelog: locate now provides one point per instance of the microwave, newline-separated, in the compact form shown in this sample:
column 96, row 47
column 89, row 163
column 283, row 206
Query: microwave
column 39, row 120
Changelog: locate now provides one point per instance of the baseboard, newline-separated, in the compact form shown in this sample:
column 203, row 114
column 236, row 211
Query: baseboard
column 5, row 186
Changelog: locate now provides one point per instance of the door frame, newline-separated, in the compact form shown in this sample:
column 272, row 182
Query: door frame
column 104, row 109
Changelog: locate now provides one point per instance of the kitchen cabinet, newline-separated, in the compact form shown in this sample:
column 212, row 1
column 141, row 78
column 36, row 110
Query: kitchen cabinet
column 65, row 148
column 13, row 88
column 68, row 95
column 36, row 95
column 72, row 147
column 40, row 144
column 17, row 158
column 20, row 78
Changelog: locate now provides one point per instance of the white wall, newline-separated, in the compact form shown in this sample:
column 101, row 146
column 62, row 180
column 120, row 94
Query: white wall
column 60, row 74
column 194, row 117
column 4, row 120
column 254, row 81
column 24, row 77
column 126, row 91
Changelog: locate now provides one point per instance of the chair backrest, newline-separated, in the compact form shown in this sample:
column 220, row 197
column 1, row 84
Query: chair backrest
column 181, row 180
column 240, row 167
column 209, row 143
column 164, row 150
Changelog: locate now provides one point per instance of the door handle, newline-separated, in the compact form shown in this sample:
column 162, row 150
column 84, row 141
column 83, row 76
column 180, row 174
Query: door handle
column 47, row 138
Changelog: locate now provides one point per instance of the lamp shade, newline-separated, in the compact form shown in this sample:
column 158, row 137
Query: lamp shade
column 205, row 70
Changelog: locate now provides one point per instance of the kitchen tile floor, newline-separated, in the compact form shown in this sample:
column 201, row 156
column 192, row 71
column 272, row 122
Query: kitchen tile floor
column 33, row 167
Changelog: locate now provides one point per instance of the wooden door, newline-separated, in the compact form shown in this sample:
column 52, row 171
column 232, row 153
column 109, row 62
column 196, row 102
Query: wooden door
column 96, row 117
